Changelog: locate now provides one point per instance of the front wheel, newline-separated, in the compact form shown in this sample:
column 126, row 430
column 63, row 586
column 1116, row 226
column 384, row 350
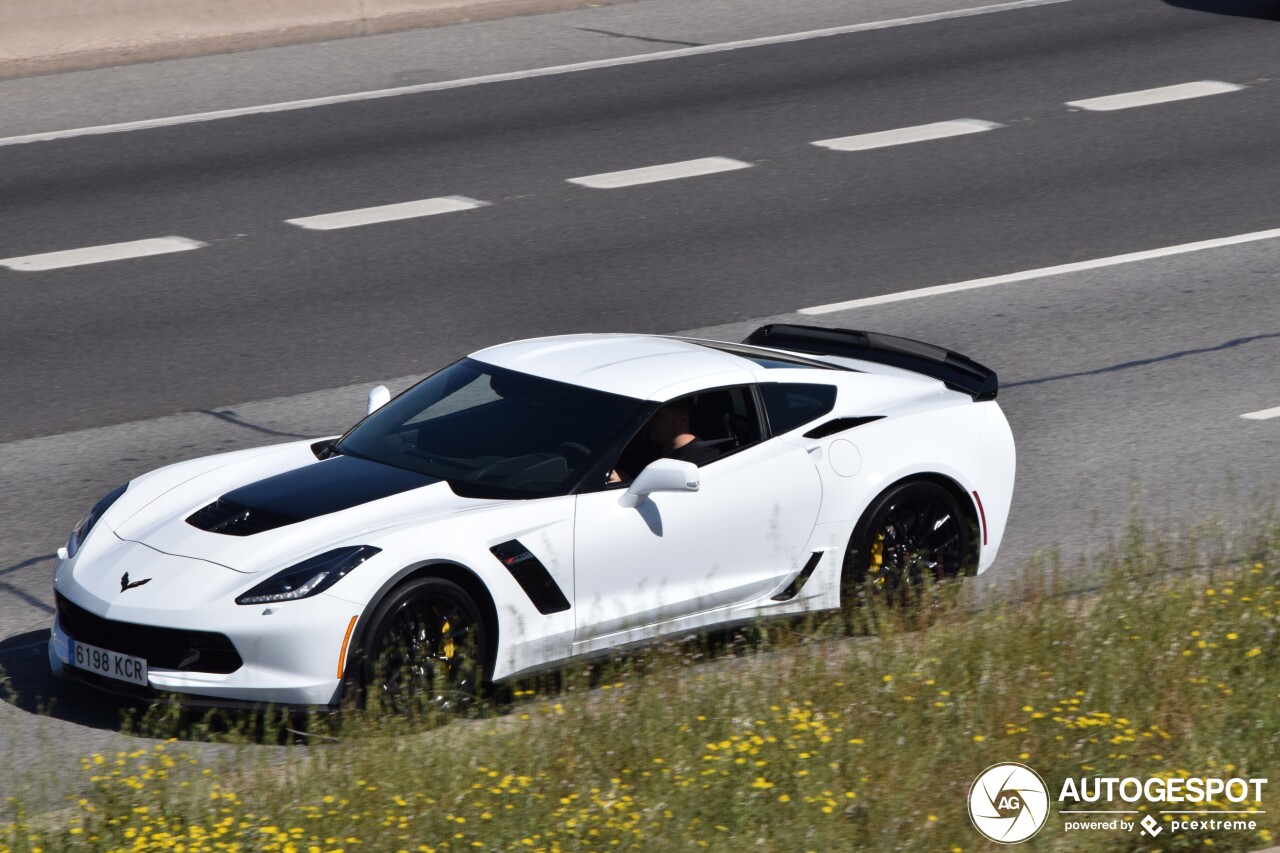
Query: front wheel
column 425, row 649
column 914, row 537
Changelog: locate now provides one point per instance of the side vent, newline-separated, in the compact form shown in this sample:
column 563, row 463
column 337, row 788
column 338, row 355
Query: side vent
column 836, row 425
column 532, row 576
column 798, row 582
column 234, row 519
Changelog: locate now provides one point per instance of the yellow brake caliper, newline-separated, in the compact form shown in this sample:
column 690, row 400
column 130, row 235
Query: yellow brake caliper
column 448, row 640
column 877, row 558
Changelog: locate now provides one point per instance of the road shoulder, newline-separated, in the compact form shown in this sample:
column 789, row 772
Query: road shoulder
column 240, row 71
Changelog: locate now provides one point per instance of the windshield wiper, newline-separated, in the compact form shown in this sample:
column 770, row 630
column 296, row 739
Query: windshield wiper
column 326, row 449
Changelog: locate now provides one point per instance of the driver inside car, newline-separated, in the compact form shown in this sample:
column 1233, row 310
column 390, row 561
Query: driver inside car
column 671, row 437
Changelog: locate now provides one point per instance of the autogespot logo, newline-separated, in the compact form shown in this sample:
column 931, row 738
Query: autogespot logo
column 1008, row 802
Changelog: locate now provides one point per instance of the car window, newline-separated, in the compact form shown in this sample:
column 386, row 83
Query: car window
column 793, row 404
column 721, row 420
column 474, row 393
column 494, row 433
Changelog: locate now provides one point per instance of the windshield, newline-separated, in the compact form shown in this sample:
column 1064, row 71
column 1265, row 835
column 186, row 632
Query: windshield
column 493, row 432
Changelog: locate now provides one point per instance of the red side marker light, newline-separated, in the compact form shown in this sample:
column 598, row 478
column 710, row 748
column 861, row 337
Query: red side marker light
column 982, row 513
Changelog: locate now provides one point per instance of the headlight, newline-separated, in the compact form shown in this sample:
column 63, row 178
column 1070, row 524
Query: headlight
column 308, row 577
column 86, row 524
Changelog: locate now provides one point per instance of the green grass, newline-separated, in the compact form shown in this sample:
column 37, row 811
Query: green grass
column 805, row 739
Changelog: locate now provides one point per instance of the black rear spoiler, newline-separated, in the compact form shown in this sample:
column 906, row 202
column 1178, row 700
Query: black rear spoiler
column 957, row 372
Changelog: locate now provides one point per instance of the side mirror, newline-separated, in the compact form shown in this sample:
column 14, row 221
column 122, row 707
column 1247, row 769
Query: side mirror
column 378, row 398
column 662, row 475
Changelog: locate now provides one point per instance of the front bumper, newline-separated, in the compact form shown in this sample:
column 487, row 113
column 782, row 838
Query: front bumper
column 292, row 654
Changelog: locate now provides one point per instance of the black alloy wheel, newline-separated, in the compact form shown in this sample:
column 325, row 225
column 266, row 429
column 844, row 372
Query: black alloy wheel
column 912, row 539
column 425, row 650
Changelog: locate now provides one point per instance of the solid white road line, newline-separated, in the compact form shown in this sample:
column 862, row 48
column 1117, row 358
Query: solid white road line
column 665, row 172
column 521, row 75
column 1164, row 94
column 1263, row 415
column 386, row 213
column 1044, row 272
column 100, row 254
column 906, row 135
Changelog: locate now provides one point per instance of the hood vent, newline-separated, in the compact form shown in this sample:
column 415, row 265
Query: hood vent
column 335, row 484
column 236, row 519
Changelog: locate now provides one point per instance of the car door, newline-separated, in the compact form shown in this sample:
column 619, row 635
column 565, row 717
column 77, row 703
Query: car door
column 676, row 554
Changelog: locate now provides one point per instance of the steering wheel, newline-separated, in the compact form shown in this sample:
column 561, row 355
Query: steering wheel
column 574, row 453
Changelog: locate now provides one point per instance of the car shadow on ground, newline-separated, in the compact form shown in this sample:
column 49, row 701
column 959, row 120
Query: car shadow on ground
column 27, row 683
column 1144, row 362
column 1267, row 10
column 30, row 685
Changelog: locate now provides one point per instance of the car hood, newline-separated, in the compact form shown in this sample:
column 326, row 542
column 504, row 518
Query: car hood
column 130, row 582
column 272, row 510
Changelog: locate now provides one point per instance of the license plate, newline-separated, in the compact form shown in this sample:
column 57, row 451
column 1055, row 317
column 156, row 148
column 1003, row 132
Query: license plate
column 108, row 663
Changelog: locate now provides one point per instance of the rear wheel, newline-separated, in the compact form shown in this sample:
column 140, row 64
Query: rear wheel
column 425, row 649
column 914, row 538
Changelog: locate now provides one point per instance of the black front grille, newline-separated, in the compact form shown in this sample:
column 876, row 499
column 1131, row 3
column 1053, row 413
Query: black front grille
column 236, row 519
column 163, row 648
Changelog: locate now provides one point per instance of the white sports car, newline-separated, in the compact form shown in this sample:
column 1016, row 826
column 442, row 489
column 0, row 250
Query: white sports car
column 538, row 501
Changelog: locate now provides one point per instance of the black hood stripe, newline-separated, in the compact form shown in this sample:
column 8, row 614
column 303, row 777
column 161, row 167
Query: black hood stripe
column 325, row 487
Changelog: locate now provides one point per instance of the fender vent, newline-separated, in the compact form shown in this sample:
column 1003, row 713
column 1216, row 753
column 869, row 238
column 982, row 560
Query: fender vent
column 532, row 576
column 236, row 519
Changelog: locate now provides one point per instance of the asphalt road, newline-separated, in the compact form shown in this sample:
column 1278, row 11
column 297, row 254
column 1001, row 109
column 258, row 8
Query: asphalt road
column 1124, row 383
column 289, row 309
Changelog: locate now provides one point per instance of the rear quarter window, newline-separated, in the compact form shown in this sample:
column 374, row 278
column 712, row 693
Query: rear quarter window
column 793, row 404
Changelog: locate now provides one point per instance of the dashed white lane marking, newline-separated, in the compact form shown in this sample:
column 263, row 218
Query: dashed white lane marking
column 521, row 75
column 386, row 213
column 100, row 254
column 906, row 135
column 1146, row 97
column 1262, row 415
column 1044, row 272
column 664, row 172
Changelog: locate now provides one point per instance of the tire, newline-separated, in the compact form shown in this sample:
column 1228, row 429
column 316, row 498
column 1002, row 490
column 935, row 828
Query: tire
column 912, row 539
column 424, row 651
